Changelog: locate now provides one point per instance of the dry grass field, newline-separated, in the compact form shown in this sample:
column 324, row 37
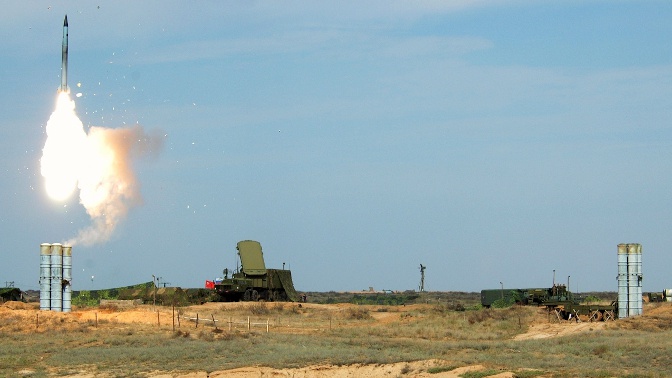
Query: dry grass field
column 328, row 340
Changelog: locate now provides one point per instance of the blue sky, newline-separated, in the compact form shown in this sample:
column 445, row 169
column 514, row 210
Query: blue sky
column 491, row 141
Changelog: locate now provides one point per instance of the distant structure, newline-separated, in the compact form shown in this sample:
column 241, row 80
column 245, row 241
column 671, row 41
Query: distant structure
column 629, row 280
column 422, row 277
column 55, row 277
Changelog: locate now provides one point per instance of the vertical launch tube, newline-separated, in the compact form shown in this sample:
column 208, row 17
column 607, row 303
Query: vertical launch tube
column 634, row 279
column 623, row 303
column 45, row 276
column 56, row 276
column 67, row 278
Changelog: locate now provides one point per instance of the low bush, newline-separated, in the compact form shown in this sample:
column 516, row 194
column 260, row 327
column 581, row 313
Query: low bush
column 259, row 308
column 356, row 313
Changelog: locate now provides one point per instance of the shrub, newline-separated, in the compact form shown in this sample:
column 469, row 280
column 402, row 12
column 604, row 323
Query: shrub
column 178, row 334
column 591, row 299
column 600, row 350
column 259, row 308
column 356, row 313
column 109, row 307
column 206, row 336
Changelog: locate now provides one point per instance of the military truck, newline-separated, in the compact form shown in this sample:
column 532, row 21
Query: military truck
column 556, row 299
column 539, row 296
column 252, row 281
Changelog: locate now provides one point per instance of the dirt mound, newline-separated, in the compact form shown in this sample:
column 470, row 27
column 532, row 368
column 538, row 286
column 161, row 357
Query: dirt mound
column 415, row 369
column 542, row 331
column 662, row 310
column 15, row 305
column 655, row 317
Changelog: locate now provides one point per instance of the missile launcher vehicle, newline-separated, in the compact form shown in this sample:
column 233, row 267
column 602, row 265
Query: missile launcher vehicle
column 556, row 299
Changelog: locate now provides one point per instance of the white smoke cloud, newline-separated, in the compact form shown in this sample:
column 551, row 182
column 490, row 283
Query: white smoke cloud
column 99, row 163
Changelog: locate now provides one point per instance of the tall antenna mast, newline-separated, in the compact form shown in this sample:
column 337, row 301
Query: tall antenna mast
column 422, row 277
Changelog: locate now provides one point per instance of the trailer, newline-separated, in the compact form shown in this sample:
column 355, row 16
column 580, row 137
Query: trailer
column 583, row 312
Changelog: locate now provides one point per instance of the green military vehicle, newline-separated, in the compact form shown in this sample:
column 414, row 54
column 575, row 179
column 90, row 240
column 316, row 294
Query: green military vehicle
column 557, row 299
column 252, row 281
column 539, row 296
column 10, row 294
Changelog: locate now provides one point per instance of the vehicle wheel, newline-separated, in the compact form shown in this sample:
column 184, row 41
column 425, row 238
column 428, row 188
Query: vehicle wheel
column 254, row 296
column 265, row 296
column 247, row 296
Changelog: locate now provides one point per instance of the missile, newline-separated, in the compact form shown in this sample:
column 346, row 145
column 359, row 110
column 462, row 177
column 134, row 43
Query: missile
column 64, row 57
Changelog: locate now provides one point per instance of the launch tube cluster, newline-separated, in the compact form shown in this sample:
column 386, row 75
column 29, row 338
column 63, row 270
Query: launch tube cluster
column 629, row 280
column 55, row 277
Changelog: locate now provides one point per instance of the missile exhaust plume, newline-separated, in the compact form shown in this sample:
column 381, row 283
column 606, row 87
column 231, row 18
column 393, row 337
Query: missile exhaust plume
column 98, row 164
column 61, row 155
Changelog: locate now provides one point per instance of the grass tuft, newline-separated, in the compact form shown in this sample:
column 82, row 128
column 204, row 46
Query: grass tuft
column 479, row 374
column 441, row 369
column 528, row 373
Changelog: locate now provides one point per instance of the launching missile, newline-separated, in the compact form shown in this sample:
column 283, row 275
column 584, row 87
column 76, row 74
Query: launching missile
column 64, row 57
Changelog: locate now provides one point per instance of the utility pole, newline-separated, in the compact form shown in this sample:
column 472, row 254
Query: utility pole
column 154, row 284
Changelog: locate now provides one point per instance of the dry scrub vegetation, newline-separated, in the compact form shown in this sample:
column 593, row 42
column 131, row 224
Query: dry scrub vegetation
column 427, row 340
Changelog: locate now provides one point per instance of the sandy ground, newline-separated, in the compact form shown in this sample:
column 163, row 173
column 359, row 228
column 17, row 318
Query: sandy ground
column 406, row 369
column 542, row 331
column 541, row 328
